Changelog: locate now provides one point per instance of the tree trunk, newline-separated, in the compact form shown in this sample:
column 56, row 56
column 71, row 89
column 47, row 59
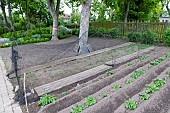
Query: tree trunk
column 22, row 16
column 10, row 15
column 84, row 26
column 127, row 12
column 55, row 29
column 54, row 11
column 167, row 8
column 27, row 15
column 4, row 16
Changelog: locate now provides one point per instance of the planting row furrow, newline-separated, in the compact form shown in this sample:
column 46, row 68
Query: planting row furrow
column 115, row 99
column 158, row 103
column 113, row 71
column 108, row 89
column 143, row 95
column 92, row 88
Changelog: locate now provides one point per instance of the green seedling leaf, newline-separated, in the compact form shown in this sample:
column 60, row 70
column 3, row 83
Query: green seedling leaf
column 109, row 73
column 104, row 94
column 151, row 88
column 116, row 86
column 89, row 101
column 64, row 93
column 131, row 104
column 129, row 81
column 159, row 82
column 144, row 96
column 77, row 109
column 46, row 99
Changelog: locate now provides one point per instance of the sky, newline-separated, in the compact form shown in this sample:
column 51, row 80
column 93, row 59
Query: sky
column 67, row 10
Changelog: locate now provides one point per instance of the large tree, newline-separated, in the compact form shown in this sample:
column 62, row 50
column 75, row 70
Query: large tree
column 54, row 6
column 84, row 26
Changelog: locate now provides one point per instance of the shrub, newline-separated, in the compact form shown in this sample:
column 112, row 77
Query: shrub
column 149, row 37
column 113, row 31
column 46, row 36
column 166, row 36
column 134, row 36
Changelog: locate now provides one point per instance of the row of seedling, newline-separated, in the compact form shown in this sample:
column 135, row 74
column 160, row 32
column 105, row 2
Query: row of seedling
column 140, row 59
column 134, row 76
column 89, row 101
column 150, row 88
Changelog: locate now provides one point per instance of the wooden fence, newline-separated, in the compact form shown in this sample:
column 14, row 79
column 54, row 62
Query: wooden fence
column 125, row 28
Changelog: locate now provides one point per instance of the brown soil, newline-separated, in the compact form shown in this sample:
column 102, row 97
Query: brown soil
column 115, row 98
column 40, row 53
column 63, row 70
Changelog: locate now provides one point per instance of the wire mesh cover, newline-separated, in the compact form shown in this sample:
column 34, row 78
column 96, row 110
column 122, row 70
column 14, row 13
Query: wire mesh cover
column 36, row 54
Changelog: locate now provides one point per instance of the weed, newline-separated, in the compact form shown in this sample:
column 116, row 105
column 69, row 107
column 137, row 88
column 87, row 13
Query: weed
column 89, row 101
column 104, row 94
column 90, row 63
column 129, row 81
column 109, row 73
column 77, row 109
column 116, row 86
column 144, row 96
column 46, row 99
column 151, row 88
column 64, row 93
column 159, row 82
column 131, row 104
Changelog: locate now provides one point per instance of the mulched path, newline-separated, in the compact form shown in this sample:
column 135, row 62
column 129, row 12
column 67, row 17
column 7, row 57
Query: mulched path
column 40, row 53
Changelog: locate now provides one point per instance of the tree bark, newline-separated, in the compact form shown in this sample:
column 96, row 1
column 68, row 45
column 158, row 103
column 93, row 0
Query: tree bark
column 27, row 15
column 127, row 12
column 10, row 15
column 54, row 11
column 84, row 25
column 167, row 8
column 4, row 15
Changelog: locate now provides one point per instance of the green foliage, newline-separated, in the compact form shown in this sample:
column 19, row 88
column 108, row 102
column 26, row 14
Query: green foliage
column 64, row 93
column 151, row 88
column 149, row 37
column 167, row 55
column 157, row 61
column 144, row 96
column 104, row 94
column 131, row 104
column 137, row 74
column 109, row 73
column 113, row 32
column 77, row 109
column 143, row 57
column 166, row 36
column 89, row 101
column 116, row 86
column 159, row 82
column 134, row 36
column 129, row 81
column 46, row 99
column 168, row 74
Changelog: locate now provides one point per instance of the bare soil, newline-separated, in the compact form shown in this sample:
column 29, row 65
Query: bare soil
column 116, row 97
